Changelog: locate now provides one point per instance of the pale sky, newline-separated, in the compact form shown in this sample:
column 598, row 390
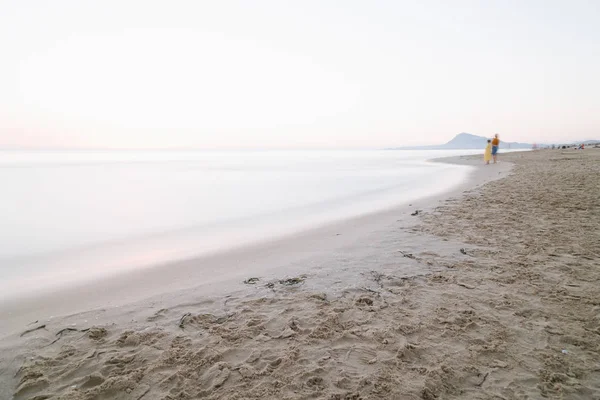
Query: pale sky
column 296, row 74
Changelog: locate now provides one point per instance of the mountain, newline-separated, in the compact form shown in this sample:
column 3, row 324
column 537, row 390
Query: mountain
column 467, row 141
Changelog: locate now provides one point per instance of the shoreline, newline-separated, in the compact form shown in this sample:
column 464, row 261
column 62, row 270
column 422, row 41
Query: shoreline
column 491, row 293
column 269, row 258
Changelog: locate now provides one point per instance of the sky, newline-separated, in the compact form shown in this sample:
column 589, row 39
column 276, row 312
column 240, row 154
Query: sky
column 296, row 74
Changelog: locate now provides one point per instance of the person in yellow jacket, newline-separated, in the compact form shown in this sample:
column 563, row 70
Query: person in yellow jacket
column 495, row 146
column 487, row 156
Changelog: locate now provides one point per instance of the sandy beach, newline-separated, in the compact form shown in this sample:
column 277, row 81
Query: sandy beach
column 487, row 292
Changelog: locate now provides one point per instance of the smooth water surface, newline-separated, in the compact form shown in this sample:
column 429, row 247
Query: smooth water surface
column 76, row 215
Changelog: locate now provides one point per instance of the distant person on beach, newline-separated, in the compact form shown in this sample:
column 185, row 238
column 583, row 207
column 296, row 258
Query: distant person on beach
column 495, row 144
column 487, row 156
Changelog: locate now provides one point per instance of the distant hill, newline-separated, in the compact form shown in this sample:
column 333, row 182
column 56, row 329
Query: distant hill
column 467, row 141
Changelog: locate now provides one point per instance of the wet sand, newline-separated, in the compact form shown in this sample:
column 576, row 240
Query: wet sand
column 489, row 294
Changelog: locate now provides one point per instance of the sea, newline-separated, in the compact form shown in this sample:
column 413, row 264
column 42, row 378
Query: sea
column 74, row 216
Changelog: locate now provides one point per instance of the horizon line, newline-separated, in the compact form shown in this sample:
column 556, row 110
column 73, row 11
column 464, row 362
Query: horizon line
column 184, row 148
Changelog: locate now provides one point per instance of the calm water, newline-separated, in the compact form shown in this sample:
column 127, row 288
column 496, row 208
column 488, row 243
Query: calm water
column 68, row 216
